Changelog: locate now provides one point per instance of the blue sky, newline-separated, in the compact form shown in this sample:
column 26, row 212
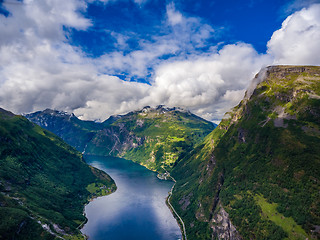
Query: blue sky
column 247, row 21
column 251, row 21
column 232, row 21
column 97, row 58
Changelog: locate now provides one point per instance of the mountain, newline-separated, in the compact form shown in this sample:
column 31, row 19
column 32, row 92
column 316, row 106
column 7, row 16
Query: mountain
column 44, row 183
column 154, row 137
column 257, row 175
column 67, row 126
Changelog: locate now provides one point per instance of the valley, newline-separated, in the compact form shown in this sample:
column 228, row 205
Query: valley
column 137, row 210
column 159, row 120
column 254, row 176
column 153, row 137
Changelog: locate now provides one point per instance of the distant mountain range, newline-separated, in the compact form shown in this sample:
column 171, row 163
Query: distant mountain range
column 154, row 137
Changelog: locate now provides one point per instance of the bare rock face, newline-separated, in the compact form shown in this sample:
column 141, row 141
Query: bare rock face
column 282, row 71
column 185, row 201
column 222, row 226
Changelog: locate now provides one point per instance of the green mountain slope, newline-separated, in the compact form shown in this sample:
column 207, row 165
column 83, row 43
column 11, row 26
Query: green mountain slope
column 256, row 176
column 44, row 183
column 154, row 137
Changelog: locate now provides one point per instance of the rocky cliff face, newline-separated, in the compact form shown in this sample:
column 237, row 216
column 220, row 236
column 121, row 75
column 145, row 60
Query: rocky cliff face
column 222, row 227
column 261, row 164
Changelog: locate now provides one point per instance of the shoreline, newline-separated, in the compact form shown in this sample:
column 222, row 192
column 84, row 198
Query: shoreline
column 161, row 176
column 92, row 198
column 176, row 216
column 84, row 212
column 172, row 210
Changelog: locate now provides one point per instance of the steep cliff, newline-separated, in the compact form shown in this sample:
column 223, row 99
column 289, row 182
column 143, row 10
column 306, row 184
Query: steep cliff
column 256, row 176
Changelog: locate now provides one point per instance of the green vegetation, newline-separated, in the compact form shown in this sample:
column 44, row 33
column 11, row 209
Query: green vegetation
column 269, row 211
column 154, row 137
column 43, row 183
column 98, row 189
column 263, row 159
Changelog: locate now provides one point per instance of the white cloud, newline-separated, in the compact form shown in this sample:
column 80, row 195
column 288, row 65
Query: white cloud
column 179, row 36
column 45, row 19
column 297, row 5
column 174, row 17
column 121, row 39
column 208, row 85
column 137, row 62
column 40, row 69
column 138, row 2
column 297, row 42
column 109, row 95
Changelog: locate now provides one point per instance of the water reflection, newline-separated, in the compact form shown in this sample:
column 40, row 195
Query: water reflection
column 136, row 210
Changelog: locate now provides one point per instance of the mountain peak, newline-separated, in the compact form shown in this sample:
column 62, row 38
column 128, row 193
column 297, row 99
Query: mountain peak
column 162, row 109
column 53, row 112
column 279, row 73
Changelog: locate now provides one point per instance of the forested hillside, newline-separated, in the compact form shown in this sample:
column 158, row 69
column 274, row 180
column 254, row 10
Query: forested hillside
column 44, row 183
column 256, row 176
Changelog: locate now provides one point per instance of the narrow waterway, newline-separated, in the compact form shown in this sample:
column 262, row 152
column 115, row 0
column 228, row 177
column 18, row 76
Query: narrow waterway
column 137, row 210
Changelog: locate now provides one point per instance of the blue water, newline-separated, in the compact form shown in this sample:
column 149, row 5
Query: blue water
column 137, row 210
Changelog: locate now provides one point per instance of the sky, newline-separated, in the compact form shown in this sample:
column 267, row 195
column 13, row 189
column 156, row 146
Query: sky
column 98, row 58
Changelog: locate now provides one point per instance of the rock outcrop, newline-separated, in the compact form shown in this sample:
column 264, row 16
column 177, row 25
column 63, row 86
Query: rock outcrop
column 222, row 227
